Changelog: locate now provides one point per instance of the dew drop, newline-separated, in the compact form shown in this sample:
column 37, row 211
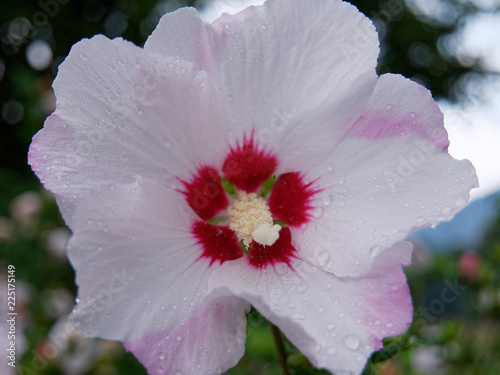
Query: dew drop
column 351, row 342
column 460, row 202
column 330, row 326
column 281, row 269
column 179, row 338
column 285, row 185
column 291, row 305
column 301, row 288
column 388, row 107
column 323, row 258
column 341, row 180
column 331, row 351
column 375, row 250
column 83, row 56
column 298, row 316
column 161, row 356
column 412, row 114
column 318, row 212
column 229, row 98
column 327, row 199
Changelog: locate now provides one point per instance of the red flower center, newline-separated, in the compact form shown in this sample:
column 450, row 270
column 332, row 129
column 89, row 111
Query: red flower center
column 247, row 169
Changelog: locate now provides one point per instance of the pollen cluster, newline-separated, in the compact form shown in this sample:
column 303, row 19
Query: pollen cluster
column 250, row 218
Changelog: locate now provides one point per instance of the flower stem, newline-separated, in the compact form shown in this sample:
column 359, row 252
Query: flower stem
column 280, row 347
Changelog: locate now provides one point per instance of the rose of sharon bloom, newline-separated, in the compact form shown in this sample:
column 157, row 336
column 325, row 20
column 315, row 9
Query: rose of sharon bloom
column 257, row 160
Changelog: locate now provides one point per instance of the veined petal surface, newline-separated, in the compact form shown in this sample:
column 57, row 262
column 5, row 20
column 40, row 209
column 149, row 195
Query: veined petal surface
column 390, row 175
column 122, row 112
column 293, row 72
column 142, row 280
column 336, row 322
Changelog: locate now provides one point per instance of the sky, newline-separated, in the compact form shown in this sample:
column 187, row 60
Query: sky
column 474, row 124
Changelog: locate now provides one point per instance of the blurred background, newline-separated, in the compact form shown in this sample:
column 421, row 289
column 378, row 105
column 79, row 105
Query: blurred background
column 450, row 46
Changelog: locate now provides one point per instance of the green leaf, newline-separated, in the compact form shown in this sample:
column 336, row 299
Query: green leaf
column 266, row 188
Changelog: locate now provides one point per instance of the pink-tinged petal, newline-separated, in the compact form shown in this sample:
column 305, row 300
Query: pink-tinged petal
column 293, row 72
column 290, row 199
column 140, row 270
column 398, row 107
column 336, row 322
column 123, row 112
column 381, row 183
column 208, row 341
column 205, row 194
column 282, row 251
column 247, row 167
column 219, row 243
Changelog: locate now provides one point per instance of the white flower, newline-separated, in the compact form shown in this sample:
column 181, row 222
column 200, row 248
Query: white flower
column 145, row 142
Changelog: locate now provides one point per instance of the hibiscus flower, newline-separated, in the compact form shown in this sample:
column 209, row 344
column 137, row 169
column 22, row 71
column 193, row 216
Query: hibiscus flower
column 257, row 160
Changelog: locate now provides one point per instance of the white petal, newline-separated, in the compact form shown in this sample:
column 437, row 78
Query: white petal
column 293, row 72
column 209, row 341
column 387, row 178
column 141, row 275
column 336, row 322
column 122, row 112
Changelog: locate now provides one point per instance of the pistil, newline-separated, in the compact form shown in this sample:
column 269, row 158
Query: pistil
column 250, row 218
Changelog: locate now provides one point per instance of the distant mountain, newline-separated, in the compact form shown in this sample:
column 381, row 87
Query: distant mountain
column 465, row 231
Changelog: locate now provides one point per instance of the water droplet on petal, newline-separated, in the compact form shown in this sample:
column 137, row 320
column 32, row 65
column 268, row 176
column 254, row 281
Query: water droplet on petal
column 388, row 107
column 281, row 269
column 351, row 342
column 179, row 338
column 327, row 199
column 412, row 114
column 318, row 212
column 460, row 202
column 161, row 356
column 330, row 326
column 298, row 316
column 83, row 56
column 331, row 350
column 375, row 250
